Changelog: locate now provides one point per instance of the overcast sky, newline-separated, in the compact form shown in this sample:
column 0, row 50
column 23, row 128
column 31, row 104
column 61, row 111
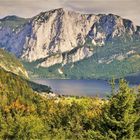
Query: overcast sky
column 27, row 8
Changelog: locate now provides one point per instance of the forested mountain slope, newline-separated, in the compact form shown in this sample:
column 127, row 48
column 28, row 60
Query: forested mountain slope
column 10, row 63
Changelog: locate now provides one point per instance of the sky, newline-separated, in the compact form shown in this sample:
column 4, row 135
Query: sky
column 28, row 8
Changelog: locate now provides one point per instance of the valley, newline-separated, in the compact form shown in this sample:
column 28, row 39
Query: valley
column 62, row 77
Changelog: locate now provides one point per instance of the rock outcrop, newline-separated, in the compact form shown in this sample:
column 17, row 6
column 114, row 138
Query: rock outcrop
column 61, row 36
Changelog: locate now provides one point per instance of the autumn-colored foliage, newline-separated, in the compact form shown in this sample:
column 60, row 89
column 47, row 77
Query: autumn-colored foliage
column 25, row 114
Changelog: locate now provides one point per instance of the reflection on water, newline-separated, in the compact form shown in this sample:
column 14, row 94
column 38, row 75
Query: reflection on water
column 100, row 88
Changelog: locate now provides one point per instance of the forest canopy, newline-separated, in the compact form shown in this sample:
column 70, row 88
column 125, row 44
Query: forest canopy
column 25, row 114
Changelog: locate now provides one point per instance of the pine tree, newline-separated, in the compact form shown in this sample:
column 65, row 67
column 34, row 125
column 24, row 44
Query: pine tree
column 119, row 115
column 137, row 107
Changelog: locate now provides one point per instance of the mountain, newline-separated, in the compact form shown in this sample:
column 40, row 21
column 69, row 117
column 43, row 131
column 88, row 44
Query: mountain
column 69, row 43
column 10, row 63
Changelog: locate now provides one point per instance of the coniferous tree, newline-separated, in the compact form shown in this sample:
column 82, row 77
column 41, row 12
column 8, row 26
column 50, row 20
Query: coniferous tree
column 137, row 107
column 119, row 115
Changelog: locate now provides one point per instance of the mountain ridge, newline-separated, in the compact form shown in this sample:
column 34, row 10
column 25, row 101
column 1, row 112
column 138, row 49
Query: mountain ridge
column 43, row 15
column 61, row 37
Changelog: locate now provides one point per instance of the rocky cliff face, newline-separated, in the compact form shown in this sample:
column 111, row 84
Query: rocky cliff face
column 61, row 36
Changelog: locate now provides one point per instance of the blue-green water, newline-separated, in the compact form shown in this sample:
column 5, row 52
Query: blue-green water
column 99, row 88
column 93, row 87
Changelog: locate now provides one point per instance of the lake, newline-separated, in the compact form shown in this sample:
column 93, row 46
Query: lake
column 94, row 87
column 99, row 88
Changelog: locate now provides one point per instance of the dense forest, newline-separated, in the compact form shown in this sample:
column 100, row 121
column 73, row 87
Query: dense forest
column 25, row 114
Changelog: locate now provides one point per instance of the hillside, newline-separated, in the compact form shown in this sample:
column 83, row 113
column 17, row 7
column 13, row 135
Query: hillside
column 10, row 63
column 17, row 107
column 6, row 77
column 13, row 22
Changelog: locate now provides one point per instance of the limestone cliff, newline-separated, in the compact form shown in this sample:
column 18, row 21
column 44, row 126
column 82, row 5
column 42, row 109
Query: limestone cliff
column 61, row 36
